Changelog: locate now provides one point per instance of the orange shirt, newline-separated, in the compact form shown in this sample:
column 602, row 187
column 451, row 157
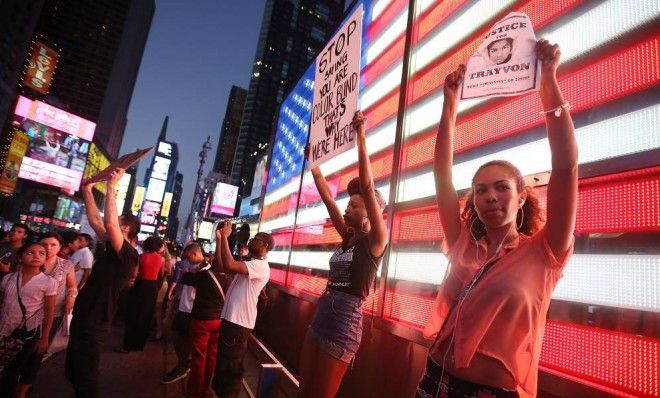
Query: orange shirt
column 503, row 316
column 149, row 266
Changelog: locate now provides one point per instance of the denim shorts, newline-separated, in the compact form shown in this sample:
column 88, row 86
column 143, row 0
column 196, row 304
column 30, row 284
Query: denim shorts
column 338, row 324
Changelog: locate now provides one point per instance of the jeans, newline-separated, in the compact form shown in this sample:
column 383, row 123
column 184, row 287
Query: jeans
column 229, row 367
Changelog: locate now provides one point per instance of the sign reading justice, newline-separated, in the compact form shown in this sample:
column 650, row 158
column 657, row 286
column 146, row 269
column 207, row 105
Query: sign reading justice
column 336, row 89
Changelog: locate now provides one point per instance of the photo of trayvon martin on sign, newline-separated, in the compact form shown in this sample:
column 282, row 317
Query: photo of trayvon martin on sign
column 336, row 89
column 505, row 63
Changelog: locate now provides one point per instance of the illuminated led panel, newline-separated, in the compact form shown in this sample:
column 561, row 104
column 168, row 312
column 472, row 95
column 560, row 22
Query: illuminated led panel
column 622, row 192
column 385, row 83
column 622, row 281
column 274, row 224
column 282, row 238
column 464, row 24
column 613, row 19
column 277, row 275
column 410, row 309
column 314, row 285
column 604, row 79
column 278, row 256
column 382, row 15
column 622, row 361
column 642, row 134
column 316, row 260
column 429, row 267
column 316, row 235
column 379, row 44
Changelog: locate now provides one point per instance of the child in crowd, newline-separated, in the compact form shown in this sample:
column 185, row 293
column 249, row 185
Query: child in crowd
column 28, row 301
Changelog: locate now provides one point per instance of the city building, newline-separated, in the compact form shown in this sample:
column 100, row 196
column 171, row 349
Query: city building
column 291, row 34
column 18, row 19
column 101, row 45
column 159, row 182
column 231, row 126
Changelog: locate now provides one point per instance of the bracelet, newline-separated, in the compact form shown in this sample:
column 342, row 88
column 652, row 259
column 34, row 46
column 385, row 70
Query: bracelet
column 557, row 111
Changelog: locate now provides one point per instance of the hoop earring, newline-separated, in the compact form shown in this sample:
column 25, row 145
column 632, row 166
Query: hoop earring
column 475, row 218
column 522, row 219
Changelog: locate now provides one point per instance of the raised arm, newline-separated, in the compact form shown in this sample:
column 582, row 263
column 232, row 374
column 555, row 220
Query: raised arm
column 111, row 218
column 378, row 232
column 445, row 193
column 326, row 196
column 563, row 184
column 92, row 211
column 223, row 252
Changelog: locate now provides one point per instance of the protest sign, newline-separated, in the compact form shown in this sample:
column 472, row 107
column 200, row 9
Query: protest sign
column 123, row 162
column 505, row 63
column 336, row 89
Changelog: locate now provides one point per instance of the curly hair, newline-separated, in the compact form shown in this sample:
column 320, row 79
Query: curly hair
column 532, row 213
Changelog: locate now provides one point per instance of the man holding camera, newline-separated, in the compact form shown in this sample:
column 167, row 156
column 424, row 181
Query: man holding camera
column 239, row 313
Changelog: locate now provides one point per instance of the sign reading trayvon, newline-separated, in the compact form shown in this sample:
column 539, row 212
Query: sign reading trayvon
column 505, row 63
column 336, row 89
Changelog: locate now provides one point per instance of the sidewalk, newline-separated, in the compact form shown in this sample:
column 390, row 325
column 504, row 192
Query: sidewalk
column 132, row 375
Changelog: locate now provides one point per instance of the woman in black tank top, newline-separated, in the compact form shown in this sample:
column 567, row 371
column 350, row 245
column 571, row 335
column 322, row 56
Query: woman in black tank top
column 335, row 333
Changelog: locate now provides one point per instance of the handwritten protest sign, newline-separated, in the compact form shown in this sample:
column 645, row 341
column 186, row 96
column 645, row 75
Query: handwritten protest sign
column 123, row 162
column 336, row 89
column 505, row 63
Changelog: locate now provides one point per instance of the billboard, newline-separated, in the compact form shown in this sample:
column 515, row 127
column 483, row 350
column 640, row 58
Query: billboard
column 150, row 212
column 121, row 190
column 58, row 144
column 17, row 149
column 167, row 203
column 138, row 196
column 41, row 68
column 165, row 148
column 155, row 190
column 224, row 199
column 96, row 161
column 160, row 167
column 68, row 210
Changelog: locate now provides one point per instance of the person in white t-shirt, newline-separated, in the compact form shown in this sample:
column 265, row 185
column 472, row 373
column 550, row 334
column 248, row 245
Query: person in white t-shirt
column 239, row 313
column 82, row 259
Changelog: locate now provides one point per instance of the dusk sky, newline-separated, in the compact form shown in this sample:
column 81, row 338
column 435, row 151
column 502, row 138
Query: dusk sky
column 195, row 52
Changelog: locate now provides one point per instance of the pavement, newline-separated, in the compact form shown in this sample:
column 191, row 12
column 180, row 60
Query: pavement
column 132, row 375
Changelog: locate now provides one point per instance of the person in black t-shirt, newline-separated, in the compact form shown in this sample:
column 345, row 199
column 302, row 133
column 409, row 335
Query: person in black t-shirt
column 97, row 301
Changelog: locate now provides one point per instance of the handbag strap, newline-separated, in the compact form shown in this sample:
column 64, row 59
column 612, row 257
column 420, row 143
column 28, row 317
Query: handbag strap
column 18, row 293
column 222, row 292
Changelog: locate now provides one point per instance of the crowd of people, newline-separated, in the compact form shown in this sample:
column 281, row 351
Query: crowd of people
column 505, row 259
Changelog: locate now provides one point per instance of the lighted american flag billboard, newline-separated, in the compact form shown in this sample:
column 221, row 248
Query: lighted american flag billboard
column 602, row 327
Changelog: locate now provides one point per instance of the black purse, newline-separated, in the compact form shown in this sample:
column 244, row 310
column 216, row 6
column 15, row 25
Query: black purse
column 12, row 344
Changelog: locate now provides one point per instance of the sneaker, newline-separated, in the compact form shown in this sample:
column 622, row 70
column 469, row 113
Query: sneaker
column 175, row 374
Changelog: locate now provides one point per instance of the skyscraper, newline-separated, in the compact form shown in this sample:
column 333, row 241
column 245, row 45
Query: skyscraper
column 291, row 34
column 231, row 126
column 101, row 45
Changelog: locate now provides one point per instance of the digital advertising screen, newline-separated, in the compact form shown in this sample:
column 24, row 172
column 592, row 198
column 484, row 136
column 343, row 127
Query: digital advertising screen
column 68, row 210
column 58, row 147
column 165, row 148
column 150, row 212
column 167, row 203
column 161, row 168
column 121, row 191
column 138, row 196
column 155, row 190
column 224, row 199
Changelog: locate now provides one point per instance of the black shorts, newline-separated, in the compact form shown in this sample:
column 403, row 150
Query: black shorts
column 181, row 322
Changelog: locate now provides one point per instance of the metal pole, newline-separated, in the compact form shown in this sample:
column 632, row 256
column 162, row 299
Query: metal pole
column 202, row 160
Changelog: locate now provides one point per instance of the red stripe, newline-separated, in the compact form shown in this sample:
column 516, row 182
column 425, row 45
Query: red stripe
column 385, row 19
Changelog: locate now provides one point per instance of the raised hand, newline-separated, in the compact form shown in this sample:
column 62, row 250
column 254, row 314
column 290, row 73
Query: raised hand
column 115, row 176
column 452, row 84
column 358, row 122
column 549, row 55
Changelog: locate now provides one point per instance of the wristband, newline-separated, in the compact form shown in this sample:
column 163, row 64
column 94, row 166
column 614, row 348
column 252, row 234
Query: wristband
column 557, row 111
